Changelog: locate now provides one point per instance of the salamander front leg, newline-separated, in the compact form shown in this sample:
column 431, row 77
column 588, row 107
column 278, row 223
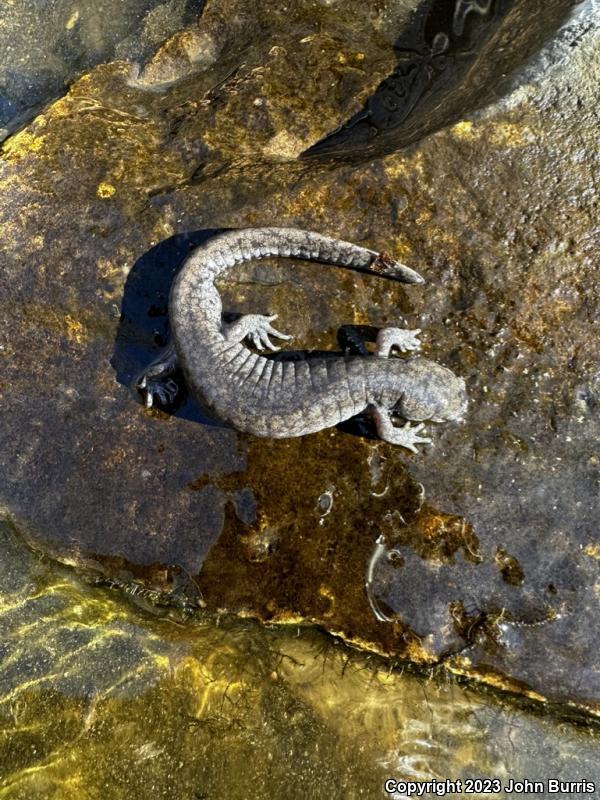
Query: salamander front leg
column 403, row 339
column 406, row 436
column 156, row 382
column 257, row 328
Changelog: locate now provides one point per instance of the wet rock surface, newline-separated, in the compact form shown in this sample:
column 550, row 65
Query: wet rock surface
column 480, row 552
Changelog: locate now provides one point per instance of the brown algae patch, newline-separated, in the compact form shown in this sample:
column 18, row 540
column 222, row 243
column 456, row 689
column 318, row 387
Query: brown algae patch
column 437, row 536
column 511, row 570
column 274, row 560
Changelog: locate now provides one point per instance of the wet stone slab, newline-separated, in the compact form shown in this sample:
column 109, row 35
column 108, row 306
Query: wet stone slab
column 480, row 552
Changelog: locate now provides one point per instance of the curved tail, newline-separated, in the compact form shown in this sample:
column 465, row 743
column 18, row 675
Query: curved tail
column 233, row 247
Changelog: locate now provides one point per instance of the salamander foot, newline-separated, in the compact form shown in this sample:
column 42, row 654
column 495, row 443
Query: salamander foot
column 156, row 382
column 257, row 328
column 406, row 436
column 403, row 339
column 155, row 390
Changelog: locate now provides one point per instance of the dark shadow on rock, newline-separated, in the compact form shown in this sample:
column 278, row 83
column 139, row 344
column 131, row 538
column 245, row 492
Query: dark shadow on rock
column 144, row 324
column 453, row 57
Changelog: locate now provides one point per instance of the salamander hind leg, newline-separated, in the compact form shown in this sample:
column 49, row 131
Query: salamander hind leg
column 156, row 383
column 255, row 327
column 406, row 436
column 403, row 339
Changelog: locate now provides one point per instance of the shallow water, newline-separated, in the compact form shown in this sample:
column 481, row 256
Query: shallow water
column 99, row 698
column 44, row 46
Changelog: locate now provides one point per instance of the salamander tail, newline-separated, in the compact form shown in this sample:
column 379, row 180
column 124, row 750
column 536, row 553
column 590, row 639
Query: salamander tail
column 383, row 264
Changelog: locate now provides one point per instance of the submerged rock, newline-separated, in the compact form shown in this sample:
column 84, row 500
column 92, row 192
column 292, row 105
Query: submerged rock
column 480, row 552
column 118, row 700
column 46, row 45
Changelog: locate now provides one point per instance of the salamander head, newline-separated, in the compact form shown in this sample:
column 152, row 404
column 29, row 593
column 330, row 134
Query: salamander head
column 432, row 393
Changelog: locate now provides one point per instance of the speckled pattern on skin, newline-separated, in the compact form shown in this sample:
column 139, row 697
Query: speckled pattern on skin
column 280, row 399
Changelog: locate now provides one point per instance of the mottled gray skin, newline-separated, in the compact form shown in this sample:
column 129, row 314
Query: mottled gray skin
column 281, row 399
